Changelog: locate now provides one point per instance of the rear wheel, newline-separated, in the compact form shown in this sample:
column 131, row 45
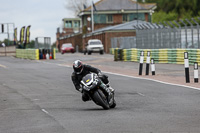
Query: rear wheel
column 85, row 51
column 89, row 52
column 100, row 99
column 101, row 52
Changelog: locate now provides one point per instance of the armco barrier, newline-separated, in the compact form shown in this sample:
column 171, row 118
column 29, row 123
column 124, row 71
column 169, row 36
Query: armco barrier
column 32, row 54
column 172, row 56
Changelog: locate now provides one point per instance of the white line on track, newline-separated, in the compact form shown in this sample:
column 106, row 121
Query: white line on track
column 63, row 65
column 3, row 66
column 153, row 80
column 45, row 111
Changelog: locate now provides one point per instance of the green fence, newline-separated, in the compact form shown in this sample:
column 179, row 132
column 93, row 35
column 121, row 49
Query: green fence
column 173, row 56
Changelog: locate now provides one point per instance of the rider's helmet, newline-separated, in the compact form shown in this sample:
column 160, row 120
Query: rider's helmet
column 78, row 66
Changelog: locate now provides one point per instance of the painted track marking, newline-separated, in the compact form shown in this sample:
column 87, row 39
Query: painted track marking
column 63, row 65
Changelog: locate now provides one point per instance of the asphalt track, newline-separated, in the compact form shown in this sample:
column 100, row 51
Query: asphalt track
column 39, row 97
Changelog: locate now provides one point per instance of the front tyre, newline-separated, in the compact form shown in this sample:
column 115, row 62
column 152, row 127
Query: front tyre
column 100, row 99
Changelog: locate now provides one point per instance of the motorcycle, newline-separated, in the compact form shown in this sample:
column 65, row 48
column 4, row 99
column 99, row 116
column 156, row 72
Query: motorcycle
column 91, row 85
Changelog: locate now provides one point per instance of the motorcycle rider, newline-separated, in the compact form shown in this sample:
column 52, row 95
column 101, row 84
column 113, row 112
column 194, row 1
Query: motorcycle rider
column 80, row 70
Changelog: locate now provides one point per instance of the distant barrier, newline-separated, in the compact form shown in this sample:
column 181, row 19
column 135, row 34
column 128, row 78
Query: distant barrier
column 35, row 54
column 172, row 56
column 8, row 51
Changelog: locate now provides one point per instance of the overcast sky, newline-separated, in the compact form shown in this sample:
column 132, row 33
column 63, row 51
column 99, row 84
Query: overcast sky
column 44, row 16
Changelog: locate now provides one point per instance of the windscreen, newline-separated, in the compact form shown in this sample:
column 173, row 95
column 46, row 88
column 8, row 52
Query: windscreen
column 95, row 43
column 66, row 45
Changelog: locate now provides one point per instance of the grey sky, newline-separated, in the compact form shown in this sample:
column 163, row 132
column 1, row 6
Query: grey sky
column 44, row 16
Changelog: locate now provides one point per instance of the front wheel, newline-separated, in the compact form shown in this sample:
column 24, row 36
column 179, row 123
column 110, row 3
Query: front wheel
column 100, row 99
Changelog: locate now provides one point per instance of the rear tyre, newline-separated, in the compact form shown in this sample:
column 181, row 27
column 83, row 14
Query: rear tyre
column 100, row 99
column 101, row 52
column 89, row 52
column 85, row 51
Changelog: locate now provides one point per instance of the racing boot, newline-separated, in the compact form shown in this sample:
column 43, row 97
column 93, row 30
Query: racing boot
column 85, row 97
column 107, row 90
column 111, row 89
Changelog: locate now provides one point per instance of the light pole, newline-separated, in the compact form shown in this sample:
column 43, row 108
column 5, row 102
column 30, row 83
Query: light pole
column 151, row 13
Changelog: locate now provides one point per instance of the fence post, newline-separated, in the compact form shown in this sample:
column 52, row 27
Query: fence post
column 196, row 76
column 185, row 33
column 141, row 62
column 187, row 76
column 179, row 34
column 197, row 30
column 191, row 32
column 147, row 62
column 153, row 67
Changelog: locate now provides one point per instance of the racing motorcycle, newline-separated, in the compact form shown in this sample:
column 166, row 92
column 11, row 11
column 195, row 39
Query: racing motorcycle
column 91, row 85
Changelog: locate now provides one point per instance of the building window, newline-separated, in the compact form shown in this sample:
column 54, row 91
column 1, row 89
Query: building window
column 68, row 24
column 141, row 16
column 76, row 24
column 125, row 17
column 109, row 18
column 149, row 18
column 136, row 16
column 99, row 18
column 85, row 20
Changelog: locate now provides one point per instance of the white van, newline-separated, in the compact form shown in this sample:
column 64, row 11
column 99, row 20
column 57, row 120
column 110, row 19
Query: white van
column 94, row 45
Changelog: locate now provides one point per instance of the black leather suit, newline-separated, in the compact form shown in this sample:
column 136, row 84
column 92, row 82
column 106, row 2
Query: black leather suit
column 76, row 78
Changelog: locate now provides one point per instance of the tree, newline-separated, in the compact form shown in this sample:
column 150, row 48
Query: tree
column 162, row 16
column 31, row 44
column 54, row 45
column 77, row 5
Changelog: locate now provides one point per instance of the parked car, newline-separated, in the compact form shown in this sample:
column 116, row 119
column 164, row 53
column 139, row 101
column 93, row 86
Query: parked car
column 94, row 45
column 67, row 48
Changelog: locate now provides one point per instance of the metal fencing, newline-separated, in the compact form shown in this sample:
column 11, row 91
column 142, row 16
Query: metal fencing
column 43, row 43
column 123, row 42
column 159, row 36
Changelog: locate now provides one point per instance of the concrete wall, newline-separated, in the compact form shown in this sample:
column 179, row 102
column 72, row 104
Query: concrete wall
column 8, row 51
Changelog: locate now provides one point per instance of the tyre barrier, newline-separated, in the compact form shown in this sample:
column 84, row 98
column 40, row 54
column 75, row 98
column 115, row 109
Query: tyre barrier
column 36, row 54
column 118, row 55
column 170, row 56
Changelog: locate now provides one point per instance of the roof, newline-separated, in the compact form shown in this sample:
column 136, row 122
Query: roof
column 128, row 26
column 64, row 19
column 116, row 5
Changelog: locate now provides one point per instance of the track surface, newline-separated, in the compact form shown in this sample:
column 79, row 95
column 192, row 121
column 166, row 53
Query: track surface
column 39, row 97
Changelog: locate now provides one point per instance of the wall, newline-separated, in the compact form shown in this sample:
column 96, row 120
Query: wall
column 110, row 35
column 8, row 51
column 76, row 40
column 106, row 38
